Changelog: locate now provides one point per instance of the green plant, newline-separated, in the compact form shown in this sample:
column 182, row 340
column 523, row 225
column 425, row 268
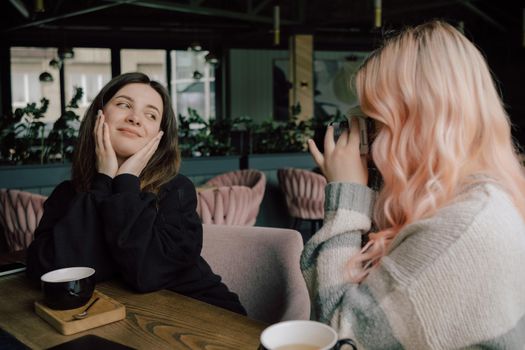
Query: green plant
column 200, row 138
column 22, row 134
column 23, row 138
column 62, row 138
column 278, row 136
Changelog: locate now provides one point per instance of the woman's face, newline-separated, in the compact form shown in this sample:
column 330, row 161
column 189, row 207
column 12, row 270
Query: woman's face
column 133, row 115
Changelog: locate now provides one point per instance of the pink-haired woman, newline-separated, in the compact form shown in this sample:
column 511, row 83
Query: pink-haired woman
column 443, row 267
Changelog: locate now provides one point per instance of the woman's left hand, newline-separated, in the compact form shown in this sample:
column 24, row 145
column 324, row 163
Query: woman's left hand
column 137, row 162
column 341, row 161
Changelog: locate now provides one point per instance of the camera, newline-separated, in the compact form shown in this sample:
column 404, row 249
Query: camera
column 342, row 127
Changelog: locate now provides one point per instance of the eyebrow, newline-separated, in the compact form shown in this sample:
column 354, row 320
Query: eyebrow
column 132, row 100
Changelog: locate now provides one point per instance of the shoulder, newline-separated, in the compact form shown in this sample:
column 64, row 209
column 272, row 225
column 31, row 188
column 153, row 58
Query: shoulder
column 178, row 182
column 179, row 188
column 483, row 216
column 465, row 261
column 64, row 189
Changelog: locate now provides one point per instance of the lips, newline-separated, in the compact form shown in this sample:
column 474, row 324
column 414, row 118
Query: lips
column 129, row 132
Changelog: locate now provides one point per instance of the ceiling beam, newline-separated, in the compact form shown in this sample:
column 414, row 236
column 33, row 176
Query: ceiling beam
column 261, row 6
column 21, row 7
column 201, row 10
column 482, row 14
column 67, row 15
column 419, row 7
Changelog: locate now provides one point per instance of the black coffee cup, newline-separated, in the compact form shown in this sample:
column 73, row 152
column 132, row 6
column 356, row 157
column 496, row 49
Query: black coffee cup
column 68, row 288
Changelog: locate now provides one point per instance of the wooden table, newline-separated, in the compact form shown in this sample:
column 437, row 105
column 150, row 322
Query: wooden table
column 159, row 320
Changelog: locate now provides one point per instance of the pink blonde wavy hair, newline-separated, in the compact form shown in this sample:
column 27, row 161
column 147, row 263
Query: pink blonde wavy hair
column 443, row 128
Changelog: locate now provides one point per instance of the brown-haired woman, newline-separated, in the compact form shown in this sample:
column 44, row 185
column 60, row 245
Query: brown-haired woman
column 127, row 212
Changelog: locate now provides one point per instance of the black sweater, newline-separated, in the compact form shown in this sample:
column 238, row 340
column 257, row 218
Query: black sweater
column 152, row 242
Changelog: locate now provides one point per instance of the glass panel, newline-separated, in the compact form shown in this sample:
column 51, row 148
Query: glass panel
column 150, row 62
column 27, row 63
column 194, row 82
column 90, row 70
column 333, row 96
column 190, row 95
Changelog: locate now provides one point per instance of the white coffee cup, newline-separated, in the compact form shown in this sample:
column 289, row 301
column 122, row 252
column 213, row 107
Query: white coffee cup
column 302, row 335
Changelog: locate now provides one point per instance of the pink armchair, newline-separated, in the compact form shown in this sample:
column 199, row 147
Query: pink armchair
column 232, row 198
column 304, row 194
column 20, row 213
column 261, row 265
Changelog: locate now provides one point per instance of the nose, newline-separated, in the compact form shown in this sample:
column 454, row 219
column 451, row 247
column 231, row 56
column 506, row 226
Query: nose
column 134, row 119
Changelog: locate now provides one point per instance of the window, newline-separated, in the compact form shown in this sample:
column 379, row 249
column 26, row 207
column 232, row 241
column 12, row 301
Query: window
column 27, row 63
column 89, row 69
column 193, row 83
column 150, row 62
column 25, row 87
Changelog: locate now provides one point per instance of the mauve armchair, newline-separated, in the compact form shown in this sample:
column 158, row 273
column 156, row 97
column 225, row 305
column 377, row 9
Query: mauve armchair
column 261, row 265
column 304, row 193
column 232, row 198
column 20, row 213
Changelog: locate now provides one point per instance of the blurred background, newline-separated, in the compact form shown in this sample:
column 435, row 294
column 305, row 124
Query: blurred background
column 231, row 58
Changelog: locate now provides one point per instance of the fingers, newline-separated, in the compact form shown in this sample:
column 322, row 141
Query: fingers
column 353, row 135
column 316, row 154
column 107, row 141
column 99, row 131
column 329, row 143
column 343, row 138
column 137, row 162
column 153, row 145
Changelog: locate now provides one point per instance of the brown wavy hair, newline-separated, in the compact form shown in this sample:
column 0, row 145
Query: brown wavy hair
column 163, row 165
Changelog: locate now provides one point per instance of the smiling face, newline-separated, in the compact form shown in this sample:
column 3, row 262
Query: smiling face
column 133, row 115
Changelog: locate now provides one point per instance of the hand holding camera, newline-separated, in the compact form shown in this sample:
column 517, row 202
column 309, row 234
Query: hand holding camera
column 343, row 160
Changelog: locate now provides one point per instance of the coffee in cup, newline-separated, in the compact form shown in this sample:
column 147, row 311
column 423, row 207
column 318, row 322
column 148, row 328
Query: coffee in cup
column 68, row 288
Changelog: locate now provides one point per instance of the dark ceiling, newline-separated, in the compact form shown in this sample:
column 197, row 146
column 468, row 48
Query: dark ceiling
column 336, row 24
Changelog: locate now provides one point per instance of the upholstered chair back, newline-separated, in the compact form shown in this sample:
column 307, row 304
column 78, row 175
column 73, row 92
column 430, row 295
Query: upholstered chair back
column 20, row 213
column 261, row 265
column 232, row 198
column 304, row 192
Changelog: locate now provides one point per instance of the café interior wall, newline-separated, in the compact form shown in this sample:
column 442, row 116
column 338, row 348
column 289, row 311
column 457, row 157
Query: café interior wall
column 251, row 80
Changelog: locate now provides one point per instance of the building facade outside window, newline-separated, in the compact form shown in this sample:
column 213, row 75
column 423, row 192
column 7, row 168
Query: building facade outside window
column 89, row 69
column 27, row 63
column 193, row 83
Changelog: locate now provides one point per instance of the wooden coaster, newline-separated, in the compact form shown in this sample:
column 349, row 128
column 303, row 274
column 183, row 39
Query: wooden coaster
column 104, row 311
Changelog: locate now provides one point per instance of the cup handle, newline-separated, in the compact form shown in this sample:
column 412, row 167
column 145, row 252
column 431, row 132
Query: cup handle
column 342, row 342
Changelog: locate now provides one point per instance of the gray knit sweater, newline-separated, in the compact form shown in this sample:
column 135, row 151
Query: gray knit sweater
column 455, row 280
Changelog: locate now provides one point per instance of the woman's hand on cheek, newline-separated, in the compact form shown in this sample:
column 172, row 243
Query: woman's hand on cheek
column 106, row 158
column 137, row 162
column 341, row 161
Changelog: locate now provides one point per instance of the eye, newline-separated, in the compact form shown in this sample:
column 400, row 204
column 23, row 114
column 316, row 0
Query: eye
column 123, row 105
column 151, row 116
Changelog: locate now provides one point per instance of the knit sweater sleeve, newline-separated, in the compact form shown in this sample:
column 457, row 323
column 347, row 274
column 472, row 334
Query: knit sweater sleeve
column 348, row 307
column 324, row 260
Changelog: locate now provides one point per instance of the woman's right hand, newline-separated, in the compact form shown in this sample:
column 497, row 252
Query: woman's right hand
column 341, row 161
column 106, row 158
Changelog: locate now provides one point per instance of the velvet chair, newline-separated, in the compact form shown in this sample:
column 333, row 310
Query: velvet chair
column 261, row 265
column 232, row 198
column 20, row 213
column 304, row 193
